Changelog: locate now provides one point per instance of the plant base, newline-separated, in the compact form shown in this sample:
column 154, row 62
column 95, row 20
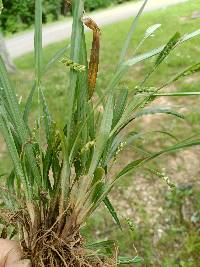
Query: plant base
column 49, row 250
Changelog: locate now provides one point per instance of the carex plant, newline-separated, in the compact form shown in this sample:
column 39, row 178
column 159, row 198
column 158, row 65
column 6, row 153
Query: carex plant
column 62, row 173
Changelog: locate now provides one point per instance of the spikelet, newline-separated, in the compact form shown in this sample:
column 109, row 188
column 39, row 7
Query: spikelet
column 144, row 89
column 70, row 63
column 88, row 146
column 130, row 224
column 164, row 177
column 189, row 71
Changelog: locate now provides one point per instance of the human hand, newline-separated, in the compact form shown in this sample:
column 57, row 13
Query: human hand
column 11, row 254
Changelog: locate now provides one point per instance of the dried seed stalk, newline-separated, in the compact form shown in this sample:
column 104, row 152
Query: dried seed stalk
column 94, row 56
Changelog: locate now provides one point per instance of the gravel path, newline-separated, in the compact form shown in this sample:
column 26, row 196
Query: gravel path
column 23, row 43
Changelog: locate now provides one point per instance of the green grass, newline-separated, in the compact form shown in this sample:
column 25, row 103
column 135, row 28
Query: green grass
column 179, row 244
column 172, row 19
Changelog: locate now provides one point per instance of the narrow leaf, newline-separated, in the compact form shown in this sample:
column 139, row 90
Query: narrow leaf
column 100, row 245
column 11, row 104
column 103, row 134
column 178, row 94
column 38, row 40
column 28, row 104
column 75, row 56
column 151, row 30
column 112, row 211
column 129, row 260
column 131, row 32
column 46, row 115
column 119, row 107
column 5, row 129
column 131, row 166
column 157, row 110
column 97, row 192
column 55, row 58
column 158, row 50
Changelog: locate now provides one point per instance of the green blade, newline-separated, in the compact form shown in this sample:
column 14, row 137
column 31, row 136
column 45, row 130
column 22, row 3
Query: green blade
column 11, row 103
column 158, row 110
column 149, row 32
column 131, row 32
column 112, row 211
column 101, row 244
column 76, row 48
column 38, row 58
column 103, row 134
column 178, row 94
column 51, row 62
column 28, row 104
column 139, row 162
column 48, row 121
column 38, row 41
column 119, row 107
column 5, row 129
column 55, row 58
column 129, row 260
column 158, row 50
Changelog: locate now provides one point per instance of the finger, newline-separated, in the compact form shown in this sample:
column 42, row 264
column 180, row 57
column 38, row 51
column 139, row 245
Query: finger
column 22, row 263
column 10, row 252
column 14, row 254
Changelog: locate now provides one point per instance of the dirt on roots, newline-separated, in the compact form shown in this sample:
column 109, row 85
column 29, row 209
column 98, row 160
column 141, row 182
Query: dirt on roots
column 49, row 250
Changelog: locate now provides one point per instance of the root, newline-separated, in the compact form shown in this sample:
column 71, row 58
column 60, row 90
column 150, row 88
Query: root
column 59, row 245
column 50, row 250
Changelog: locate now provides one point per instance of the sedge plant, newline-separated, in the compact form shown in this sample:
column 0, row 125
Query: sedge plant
column 62, row 173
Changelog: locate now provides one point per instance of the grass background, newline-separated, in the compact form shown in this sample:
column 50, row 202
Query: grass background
column 166, row 223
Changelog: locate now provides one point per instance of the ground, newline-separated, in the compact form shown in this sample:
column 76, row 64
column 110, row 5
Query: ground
column 166, row 222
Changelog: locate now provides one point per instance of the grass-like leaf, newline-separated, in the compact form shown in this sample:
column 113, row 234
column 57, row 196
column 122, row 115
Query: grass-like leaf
column 112, row 211
column 129, row 260
column 157, row 110
column 62, row 169
column 103, row 134
column 101, row 244
column 38, row 41
column 131, row 32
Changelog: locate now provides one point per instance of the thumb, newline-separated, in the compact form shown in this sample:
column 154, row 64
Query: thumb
column 11, row 254
column 22, row 263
